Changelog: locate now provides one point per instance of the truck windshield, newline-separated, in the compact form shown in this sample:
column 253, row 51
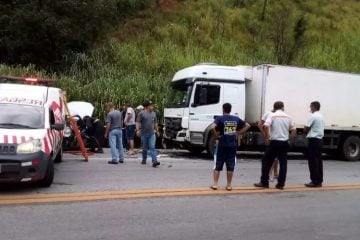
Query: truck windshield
column 183, row 92
column 15, row 116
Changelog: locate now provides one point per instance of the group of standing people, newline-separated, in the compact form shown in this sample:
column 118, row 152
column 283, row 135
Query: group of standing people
column 144, row 126
column 279, row 132
column 277, row 127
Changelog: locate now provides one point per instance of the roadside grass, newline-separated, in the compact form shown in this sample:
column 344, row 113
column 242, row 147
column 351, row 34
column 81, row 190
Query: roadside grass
column 138, row 61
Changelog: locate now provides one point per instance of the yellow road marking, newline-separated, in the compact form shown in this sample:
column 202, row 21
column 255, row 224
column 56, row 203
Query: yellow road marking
column 12, row 199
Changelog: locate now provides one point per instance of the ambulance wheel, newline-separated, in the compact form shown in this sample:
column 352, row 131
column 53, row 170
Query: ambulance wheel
column 49, row 175
column 351, row 148
column 59, row 156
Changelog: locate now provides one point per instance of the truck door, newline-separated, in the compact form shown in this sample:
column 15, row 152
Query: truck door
column 235, row 95
column 206, row 103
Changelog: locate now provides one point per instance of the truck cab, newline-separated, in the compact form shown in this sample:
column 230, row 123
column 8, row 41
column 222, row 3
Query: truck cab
column 204, row 89
column 31, row 130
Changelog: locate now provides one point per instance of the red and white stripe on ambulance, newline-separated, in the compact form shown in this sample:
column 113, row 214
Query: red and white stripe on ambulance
column 52, row 141
column 47, row 143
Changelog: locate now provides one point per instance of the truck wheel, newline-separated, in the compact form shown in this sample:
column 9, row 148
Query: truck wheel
column 351, row 148
column 195, row 150
column 49, row 175
column 59, row 156
column 210, row 148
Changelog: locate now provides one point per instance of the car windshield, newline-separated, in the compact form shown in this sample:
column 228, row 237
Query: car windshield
column 15, row 116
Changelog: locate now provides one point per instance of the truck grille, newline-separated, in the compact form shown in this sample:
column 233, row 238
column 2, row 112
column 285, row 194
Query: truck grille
column 172, row 127
column 7, row 149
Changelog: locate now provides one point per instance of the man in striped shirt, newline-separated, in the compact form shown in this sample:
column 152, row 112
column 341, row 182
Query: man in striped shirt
column 277, row 128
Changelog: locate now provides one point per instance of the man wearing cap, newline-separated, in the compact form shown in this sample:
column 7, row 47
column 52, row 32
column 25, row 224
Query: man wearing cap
column 146, row 127
column 114, row 133
column 277, row 127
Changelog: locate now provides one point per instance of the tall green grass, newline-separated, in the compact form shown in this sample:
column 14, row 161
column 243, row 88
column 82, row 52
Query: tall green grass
column 139, row 65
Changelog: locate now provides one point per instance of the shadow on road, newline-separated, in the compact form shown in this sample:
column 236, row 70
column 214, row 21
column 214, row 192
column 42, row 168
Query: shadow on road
column 240, row 155
column 17, row 188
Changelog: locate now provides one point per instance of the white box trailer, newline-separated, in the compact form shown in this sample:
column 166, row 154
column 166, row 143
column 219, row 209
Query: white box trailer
column 297, row 87
column 252, row 92
column 338, row 93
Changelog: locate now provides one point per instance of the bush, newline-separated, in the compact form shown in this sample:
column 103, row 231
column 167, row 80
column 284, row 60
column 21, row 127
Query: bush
column 140, row 65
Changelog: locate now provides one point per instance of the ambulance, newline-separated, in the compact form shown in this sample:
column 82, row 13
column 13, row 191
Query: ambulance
column 32, row 120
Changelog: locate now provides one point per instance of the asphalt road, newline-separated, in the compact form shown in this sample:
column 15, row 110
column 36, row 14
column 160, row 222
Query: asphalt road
column 277, row 215
column 315, row 215
column 178, row 169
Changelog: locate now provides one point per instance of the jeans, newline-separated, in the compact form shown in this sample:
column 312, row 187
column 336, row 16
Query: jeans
column 115, row 142
column 148, row 143
column 277, row 149
column 315, row 161
column 124, row 138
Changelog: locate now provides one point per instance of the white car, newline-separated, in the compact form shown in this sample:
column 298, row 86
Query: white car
column 32, row 121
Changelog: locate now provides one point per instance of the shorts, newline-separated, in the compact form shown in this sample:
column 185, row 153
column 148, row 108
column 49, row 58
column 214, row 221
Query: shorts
column 225, row 155
column 130, row 132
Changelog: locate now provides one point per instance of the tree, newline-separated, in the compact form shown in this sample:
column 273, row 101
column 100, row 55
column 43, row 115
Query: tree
column 44, row 32
column 285, row 27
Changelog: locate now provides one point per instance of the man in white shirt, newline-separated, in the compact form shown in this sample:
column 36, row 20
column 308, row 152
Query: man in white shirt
column 277, row 128
column 130, row 125
column 315, row 133
column 274, row 171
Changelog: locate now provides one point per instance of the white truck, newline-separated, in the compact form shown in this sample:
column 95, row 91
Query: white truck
column 252, row 92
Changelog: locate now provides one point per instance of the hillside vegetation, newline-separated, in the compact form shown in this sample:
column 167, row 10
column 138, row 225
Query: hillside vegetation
column 136, row 59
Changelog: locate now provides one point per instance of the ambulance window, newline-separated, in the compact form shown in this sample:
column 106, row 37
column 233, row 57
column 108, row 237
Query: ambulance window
column 51, row 117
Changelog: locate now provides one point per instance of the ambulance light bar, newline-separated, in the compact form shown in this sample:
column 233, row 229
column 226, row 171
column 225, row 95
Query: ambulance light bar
column 26, row 80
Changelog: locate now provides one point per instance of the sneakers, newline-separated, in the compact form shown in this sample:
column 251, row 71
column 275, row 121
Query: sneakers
column 261, row 185
column 112, row 162
column 313, row 185
column 155, row 164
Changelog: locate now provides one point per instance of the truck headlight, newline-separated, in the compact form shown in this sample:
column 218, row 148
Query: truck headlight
column 31, row 146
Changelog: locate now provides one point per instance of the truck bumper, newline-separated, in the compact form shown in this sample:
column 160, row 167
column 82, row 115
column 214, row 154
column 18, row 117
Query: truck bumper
column 181, row 136
column 185, row 139
column 23, row 168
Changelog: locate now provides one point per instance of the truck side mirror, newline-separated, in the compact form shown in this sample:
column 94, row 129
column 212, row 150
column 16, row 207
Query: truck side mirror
column 58, row 126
